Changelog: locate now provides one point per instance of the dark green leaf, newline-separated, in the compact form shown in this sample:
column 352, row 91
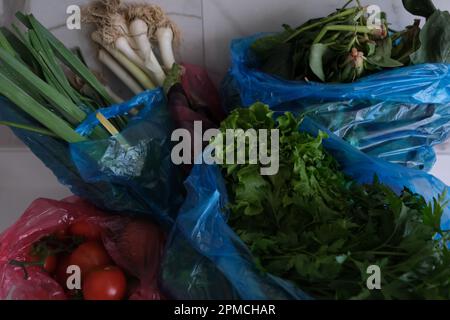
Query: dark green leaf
column 435, row 40
column 316, row 227
column 382, row 56
column 280, row 62
column 316, row 59
column 423, row 8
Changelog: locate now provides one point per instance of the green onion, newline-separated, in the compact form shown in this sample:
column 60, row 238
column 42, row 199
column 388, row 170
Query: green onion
column 4, row 43
column 26, row 127
column 44, row 116
column 44, row 50
column 67, row 108
column 72, row 61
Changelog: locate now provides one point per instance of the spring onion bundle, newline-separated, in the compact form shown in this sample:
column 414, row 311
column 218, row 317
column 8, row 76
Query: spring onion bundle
column 127, row 33
column 37, row 74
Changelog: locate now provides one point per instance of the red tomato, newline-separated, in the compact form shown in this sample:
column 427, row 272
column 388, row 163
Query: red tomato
column 61, row 271
column 86, row 230
column 89, row 256
column 49, row 263
column 108, row 283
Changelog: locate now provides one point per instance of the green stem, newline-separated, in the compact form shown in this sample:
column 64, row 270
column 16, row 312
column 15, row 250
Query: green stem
column 357, row 29
column 347, row 4
column 383, row 253
column 350, row 45
column 29, row 128
column 338, row 15
column 24, row 266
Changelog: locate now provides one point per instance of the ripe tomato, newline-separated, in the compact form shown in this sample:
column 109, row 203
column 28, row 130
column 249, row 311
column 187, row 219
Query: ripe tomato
column 86, row 230
column 89, row 256
column 49, row 262
column 61, row 271
column 108, row 283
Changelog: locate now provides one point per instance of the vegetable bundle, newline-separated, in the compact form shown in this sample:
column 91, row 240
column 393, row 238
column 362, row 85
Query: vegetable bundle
column 353, row 42
column 126, row 34
column 42, row 78
column 313, row 225
column 104, row 152
column 397, row 114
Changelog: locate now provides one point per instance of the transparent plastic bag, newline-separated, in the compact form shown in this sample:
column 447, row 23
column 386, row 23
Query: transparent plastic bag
column 137, row 160
column 397, row 115
column 132, row 173
column 136, row 246
column 137, row 178
column 202, row 224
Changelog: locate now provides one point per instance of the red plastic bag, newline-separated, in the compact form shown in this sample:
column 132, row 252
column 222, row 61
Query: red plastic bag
column 136, row 246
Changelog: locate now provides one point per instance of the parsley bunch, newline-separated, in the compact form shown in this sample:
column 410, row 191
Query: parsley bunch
column 315, row 226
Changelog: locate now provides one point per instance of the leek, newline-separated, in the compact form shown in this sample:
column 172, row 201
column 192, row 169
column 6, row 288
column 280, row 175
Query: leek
column 27, row 127
column 44, row 116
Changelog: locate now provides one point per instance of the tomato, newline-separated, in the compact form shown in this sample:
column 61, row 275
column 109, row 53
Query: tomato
column 61, row 271
column 86, row 230
column 89, row 256
column 108, row 283
column 61, row 277
column 48, row 263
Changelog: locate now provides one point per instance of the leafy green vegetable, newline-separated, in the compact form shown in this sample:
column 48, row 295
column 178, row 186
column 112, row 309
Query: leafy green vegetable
column 345, row 46
column 342, row 47
column 382, row 57
column 423, row 8
column 408, row 42
column 435, row 40
column 318, row 228
column 316, row 57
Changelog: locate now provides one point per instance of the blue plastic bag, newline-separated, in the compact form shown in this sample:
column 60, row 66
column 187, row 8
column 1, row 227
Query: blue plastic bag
column 132, row 172
column 396, row 115
column 202, row 224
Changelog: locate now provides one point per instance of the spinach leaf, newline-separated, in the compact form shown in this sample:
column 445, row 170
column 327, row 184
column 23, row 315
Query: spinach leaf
column 316, row 60
column 382, row 57
column 340, row 47
column 423, row 8
column 435, row 40
column 280, row 63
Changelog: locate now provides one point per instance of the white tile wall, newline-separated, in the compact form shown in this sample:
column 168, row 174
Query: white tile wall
column 23, row 179
column 208, row 26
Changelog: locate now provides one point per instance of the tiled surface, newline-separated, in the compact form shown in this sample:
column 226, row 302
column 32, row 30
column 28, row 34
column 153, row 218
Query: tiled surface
column 208, row 26
column 23, row 179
